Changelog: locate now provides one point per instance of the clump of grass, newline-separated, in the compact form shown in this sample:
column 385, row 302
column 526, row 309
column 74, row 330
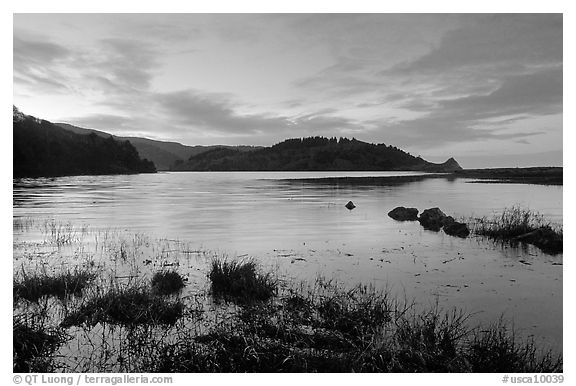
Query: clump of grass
column 240, row 281
column 33, row 287
column 517, row 224
column 127, row 306
column 166, row 283
column 33, row 343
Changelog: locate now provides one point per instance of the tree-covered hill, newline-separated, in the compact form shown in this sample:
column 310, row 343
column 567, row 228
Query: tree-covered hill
column 314, row 153
column 42, row 149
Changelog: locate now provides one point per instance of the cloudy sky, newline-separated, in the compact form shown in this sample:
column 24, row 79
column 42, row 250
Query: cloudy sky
column 486, row 89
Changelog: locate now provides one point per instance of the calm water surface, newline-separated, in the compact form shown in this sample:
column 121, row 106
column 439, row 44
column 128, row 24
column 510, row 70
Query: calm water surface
column 305, row 230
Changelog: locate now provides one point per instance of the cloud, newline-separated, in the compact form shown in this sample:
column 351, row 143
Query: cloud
column 215, row 112
column 36, row 51
column 35, row 61
column 493, row 40
column 127, row 62
column 472, row 118
column 111, row 66
column 539, row 93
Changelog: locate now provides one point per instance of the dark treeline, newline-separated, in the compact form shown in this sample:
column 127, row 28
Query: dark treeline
column 42, row 149
column 313, row 153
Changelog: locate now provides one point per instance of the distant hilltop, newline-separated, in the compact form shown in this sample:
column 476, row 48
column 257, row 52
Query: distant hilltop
column 314, row 154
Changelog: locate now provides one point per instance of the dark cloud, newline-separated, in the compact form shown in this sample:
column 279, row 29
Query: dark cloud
column 213, row 112
column 346, row 77
column 493, row 40
column 216, row 113
column 127, row 63
column 469, row 118
column 112, row 66
column 539, row 93
column 34, row 62
column 28, row 50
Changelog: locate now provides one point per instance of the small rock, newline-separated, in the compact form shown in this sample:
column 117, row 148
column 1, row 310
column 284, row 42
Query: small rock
column 350, row 205
column 401, row 213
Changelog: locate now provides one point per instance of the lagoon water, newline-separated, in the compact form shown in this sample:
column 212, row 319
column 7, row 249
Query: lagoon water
column 304, row 230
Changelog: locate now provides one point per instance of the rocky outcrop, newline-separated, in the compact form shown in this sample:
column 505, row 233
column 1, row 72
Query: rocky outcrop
column 401, row 213
column 451, row 165
column 433, row 219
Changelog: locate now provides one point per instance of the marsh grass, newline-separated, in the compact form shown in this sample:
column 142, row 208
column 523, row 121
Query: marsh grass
column 518, row 225
column 126, row 305
column 312, row 332
column 32, row 287
column 240, row 281
column 496, row 350
column 33, row 344
column 167, row 282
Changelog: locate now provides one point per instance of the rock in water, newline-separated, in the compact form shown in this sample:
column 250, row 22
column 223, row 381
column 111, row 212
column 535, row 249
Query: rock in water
column 401, row 213
column 448, row 220
column 457, row 229
column 350, row 205
column 432, row 219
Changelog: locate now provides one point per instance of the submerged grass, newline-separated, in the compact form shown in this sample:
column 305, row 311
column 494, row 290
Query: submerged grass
column 34, row 287
column 518, row 225
column 167, row 283
column 131, row 305
column 240, row 281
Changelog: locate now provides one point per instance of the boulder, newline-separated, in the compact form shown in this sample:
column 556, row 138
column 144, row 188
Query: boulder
column 350, row 205
column 432, row 219
column 457, row 229
column 401, row 213
column 448, row 220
